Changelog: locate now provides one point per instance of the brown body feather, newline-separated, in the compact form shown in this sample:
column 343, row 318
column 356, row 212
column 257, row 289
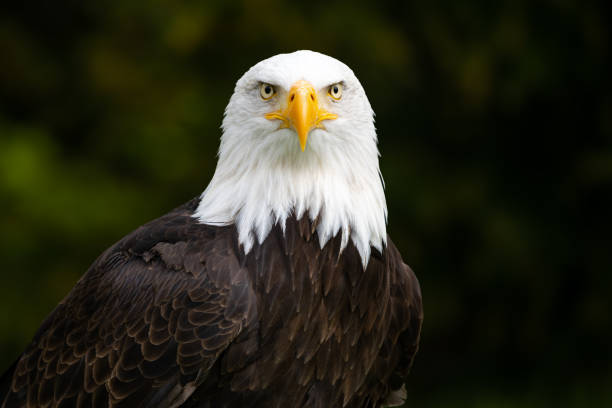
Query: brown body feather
column 175, row 315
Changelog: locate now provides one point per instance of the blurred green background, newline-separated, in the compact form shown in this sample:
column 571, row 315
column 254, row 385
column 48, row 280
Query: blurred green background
column 495, row 127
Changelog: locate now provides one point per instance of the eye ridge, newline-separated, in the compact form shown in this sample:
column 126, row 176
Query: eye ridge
column 266, row 91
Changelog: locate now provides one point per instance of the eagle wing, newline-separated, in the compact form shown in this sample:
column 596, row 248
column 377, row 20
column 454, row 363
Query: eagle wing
column 143, row 326
column 405, row 329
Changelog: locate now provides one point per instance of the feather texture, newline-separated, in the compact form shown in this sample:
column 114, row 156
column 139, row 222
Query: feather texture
column 176, row 314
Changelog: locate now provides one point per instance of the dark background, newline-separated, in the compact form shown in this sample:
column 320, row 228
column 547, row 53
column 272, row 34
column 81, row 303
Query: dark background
column 495, row 127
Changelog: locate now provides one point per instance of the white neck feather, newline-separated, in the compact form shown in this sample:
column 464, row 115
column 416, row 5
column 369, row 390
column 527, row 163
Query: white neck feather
column 339, row 183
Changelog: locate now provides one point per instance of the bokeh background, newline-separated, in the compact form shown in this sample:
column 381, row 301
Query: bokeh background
column 495, row 127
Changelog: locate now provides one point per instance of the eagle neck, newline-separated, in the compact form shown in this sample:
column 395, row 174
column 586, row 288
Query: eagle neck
column 338, row 186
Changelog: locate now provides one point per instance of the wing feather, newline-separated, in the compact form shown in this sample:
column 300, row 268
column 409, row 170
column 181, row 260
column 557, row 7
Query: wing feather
column 144, row 324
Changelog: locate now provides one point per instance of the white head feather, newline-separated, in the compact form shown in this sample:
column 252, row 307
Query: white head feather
column 263, row 176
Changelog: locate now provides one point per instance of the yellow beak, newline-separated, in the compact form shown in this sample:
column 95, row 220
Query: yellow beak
column 302, row 112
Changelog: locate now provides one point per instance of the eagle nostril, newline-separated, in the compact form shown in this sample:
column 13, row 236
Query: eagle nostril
column 312, row 96
column 292, row 97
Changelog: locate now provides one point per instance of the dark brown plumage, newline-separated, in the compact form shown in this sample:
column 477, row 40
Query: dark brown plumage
column 174, row 314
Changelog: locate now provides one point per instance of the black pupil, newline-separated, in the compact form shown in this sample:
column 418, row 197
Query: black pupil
column 268, row 89
column 335, row 89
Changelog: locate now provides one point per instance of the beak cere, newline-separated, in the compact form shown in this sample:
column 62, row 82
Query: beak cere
column 302, row 112
column 302, row 109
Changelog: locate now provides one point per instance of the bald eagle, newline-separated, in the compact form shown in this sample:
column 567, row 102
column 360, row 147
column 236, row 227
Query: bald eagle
column 277, row 287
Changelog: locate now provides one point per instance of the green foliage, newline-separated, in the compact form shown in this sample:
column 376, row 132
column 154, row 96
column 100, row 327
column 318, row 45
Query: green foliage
column 495, row 131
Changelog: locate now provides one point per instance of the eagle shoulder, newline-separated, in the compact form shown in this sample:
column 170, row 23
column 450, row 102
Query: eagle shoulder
column 407, row 320
column 145, row 323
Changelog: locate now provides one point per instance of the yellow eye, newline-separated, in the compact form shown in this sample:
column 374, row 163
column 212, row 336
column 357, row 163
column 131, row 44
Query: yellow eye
column 335, row 91
column 266, row 91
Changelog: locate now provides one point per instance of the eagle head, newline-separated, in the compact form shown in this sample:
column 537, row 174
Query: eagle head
column 299, row 140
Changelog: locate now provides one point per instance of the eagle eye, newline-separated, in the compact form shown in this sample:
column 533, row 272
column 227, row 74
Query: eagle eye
column 266, row 91
column 335, row 91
